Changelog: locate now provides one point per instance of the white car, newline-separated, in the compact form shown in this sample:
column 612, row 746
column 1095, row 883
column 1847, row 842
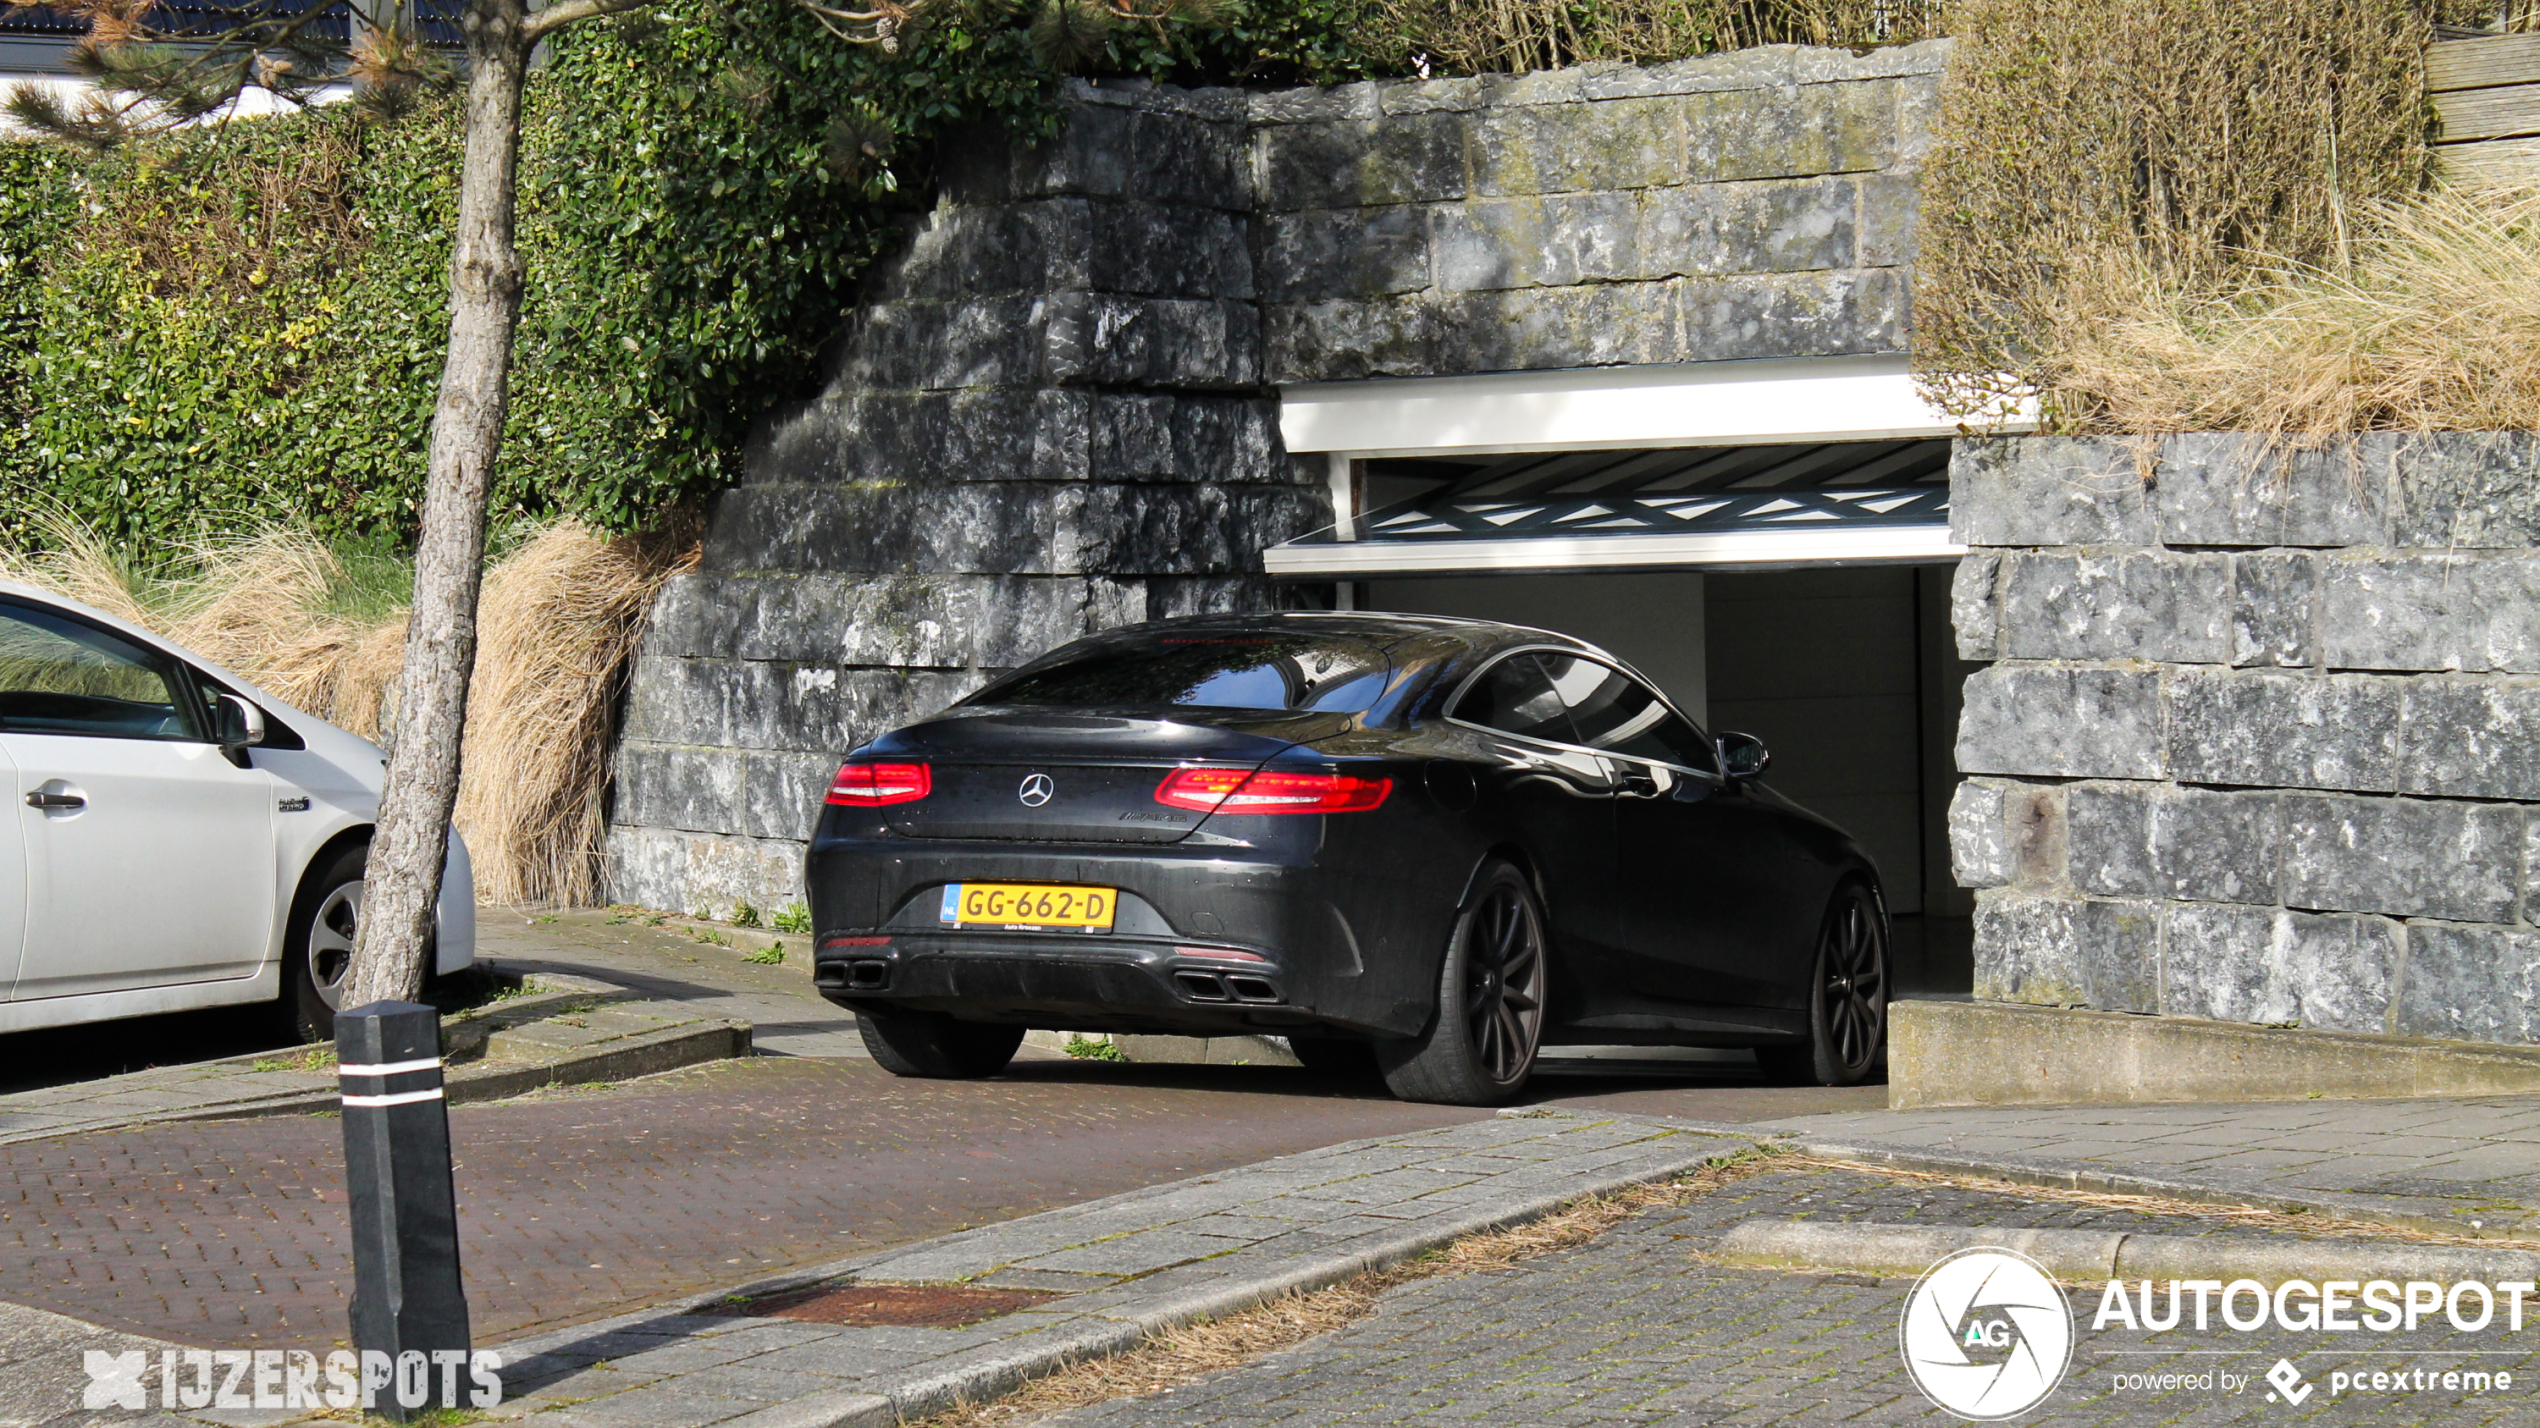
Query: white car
column 182, row 839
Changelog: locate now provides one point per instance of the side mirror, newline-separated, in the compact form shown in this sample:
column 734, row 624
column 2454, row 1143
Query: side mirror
column 238, row 724
column 1743, row 756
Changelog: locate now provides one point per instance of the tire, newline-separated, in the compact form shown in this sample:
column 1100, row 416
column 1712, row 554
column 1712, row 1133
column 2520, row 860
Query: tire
column 317, row 956
column 1480, row 1047
column 937, row 1047
column 1847, row 1005
column 1335, row 1056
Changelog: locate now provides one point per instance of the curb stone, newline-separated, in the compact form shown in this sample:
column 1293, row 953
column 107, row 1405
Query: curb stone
column 2494, row 1222
column 2089, row 1256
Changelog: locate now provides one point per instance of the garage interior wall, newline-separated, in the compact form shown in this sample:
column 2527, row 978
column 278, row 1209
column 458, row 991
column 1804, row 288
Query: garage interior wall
column 1824, row 666
column 1655, row 620
column 1848, row 675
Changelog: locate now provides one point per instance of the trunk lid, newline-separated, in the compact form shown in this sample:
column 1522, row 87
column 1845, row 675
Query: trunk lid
column 1094, row 773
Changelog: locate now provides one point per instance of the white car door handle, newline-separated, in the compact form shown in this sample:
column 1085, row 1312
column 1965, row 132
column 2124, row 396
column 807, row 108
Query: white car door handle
column 41, row 799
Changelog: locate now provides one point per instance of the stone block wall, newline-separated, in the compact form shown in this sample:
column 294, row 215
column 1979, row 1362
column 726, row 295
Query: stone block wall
column 1056, row 409
column 1046, row 417
column 2260, row 738
column 1753, row 204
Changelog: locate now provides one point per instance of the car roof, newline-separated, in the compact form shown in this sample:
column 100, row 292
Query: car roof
column 1382, row 628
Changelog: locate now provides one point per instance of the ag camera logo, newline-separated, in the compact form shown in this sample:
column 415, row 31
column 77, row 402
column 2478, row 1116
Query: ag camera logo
column 1986, row 1334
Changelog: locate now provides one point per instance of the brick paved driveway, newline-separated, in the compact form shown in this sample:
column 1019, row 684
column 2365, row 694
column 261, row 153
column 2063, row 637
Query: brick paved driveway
column 1633, row 1329
column 578, row 1204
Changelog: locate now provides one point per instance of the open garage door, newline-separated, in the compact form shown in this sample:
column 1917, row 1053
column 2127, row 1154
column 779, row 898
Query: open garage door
column 1762, row 506
column 1793, row 585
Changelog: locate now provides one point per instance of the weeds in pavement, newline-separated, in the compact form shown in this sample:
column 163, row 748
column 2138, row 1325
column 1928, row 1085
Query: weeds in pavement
column 709, row 936
column 1085, row 1048
column 768, row 956
column 1179, row 1356
column 1176, row 1357
column 314, row 1059
column 795, row 918
column 744, row 915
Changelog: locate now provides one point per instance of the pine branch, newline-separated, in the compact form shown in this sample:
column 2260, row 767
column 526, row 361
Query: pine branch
column 94, row 123
column 572, row 12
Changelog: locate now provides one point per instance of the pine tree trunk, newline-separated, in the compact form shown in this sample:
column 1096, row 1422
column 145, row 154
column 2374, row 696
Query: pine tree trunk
column 407, row 849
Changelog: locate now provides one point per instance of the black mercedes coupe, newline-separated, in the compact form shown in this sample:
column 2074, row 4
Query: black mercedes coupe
column 1444, row 842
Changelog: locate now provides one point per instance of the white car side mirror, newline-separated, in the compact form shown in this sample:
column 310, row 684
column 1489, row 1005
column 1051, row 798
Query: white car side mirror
column 241, row 724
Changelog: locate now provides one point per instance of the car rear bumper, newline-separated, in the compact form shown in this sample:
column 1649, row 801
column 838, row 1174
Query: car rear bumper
column 1086, row 986
column 1208, row 940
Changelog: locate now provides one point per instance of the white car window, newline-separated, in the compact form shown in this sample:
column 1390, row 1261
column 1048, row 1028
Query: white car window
column 60, row 676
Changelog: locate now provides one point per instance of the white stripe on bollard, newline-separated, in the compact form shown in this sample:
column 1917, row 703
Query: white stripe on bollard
column 393, row 1068
column 400, row 1099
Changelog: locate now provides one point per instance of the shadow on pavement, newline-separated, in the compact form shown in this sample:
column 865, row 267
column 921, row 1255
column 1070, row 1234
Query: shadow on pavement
column 1712, row 1086
column 31, row 1060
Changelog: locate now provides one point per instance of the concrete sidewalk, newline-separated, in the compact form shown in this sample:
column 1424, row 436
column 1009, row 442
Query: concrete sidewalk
column 1127, row 1266
column 557, row 1030
column 2468, row 1165
column 703, row 965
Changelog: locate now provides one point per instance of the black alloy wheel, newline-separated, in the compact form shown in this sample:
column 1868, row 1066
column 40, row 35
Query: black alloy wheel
column 317, row 957
column 1480, row 1047
column 1847, row 1015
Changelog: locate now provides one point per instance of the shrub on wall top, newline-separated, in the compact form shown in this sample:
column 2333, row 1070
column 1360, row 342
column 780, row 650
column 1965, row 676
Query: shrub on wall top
column 2094, row 156
column 239, row 325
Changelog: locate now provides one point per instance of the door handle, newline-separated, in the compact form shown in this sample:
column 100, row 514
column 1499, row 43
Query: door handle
column 40, row 799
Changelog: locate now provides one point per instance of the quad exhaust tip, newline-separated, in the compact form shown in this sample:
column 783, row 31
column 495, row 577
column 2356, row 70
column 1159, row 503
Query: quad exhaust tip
column 1220, row 987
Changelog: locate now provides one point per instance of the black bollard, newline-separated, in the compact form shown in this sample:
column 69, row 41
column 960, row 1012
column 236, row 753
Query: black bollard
column 409, row 1314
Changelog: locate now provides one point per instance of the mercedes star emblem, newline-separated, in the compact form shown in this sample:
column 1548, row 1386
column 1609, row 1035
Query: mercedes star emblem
column 1036, row 790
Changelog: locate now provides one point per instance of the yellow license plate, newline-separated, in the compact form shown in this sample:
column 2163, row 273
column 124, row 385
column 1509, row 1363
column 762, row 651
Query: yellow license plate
column 1027, row 905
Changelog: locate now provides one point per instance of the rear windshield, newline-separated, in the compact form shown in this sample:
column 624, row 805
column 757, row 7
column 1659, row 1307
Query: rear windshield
column 1232, row 669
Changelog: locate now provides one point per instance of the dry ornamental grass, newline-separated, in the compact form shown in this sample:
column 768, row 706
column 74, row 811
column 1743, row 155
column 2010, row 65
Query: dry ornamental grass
column 2433, row 325
column 1510, row 36
column 2083, row 144
column 559, row 621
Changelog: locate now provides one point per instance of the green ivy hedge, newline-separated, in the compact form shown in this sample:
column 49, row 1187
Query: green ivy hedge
column 240, row 325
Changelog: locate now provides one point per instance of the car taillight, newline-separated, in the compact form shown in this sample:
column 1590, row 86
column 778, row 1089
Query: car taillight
column 1270, row 791
column 866, row 785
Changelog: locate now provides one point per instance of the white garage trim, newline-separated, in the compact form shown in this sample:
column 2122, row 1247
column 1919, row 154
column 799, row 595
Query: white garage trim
column 1687, row 404
column 1750, row 550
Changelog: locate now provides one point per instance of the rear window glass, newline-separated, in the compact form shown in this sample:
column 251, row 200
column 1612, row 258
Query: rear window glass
column 1515, row 697
column 1218, row 669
